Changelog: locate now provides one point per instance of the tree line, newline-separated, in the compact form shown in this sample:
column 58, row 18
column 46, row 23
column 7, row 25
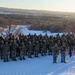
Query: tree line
column 50, row 23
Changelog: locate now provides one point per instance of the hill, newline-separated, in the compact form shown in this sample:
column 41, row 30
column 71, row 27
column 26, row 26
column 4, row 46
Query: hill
column 38, row 19
column 4, row 10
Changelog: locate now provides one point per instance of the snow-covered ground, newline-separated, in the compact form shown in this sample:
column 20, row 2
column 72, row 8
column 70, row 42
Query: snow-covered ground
column 24, row 30
column 38, row 66
column 43, row 65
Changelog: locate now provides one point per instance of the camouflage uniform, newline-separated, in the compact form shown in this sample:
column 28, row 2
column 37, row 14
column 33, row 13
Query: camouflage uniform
column 55, row 53
column 14, row 45
column 50, row 49
column 30, row 50
column 1, row 49
column 43, row 50
column 22, row 50
column 71, row 45
column 63, row 52
column 5, row 51
column 36, row 49
column 18, row 48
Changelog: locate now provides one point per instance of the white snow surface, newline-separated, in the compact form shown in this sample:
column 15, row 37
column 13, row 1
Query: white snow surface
column 43, row 65
column 24, row 30
column 38, row 66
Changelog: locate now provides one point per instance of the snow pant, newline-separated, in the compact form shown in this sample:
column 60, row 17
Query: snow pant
column 1, row 54
column 5, row 57
column 43, row 52
column 36, row 53
column 63, row 55
column 70, row 53
column 21, row 55
column 30, row 54
column 50, row 52
column 14, row 54
column 54, row 58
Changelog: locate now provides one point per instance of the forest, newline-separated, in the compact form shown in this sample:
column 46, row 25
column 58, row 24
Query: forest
column 43, row 22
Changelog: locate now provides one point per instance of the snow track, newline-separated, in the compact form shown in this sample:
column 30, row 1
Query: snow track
column 69, row 69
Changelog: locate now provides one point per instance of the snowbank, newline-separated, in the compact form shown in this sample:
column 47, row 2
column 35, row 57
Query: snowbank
column 24, row 30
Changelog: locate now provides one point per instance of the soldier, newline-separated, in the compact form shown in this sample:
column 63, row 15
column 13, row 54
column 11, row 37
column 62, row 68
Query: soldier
column 5, row 51
column 18, row 48
column 10, row 48
column 14, row 46
column 30, row 50
column 50, row 49
column 1, row 49
column 63, row 52
column 71, row 45
column 22, row 50
column 43, row 49
column 59, row 45
column 55, row 53
column 64, row 39
column 70, row 49
column 36, row 49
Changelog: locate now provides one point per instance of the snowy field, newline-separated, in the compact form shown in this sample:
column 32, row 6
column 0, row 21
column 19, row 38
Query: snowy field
column 43, row 65
column 38, row 66
column 24, row 30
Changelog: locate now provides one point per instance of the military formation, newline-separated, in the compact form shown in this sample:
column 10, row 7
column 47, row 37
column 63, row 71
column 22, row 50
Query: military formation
column 17, row 47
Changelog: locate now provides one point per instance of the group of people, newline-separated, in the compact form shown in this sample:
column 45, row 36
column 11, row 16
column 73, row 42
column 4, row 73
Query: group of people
column 17, row 47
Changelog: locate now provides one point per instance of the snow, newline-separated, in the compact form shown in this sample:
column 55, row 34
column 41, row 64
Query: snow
column 24, row 30
column 43, row 65
column 38, row 66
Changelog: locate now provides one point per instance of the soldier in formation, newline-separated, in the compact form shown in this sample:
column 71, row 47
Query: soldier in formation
column 55, row 53
column 63, row 52
column 14, row 47
column 5, row 51
column 22, row 51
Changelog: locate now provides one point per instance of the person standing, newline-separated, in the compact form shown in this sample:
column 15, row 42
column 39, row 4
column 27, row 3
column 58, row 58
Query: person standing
column 5, row 51
column 36, row 52
column 22, row 50
column 63, row 52
column 30, row 50
column 55, row 53
column 14, row 46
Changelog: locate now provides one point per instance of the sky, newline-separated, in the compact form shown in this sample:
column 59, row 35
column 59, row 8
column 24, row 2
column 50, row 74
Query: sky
column 50, row 5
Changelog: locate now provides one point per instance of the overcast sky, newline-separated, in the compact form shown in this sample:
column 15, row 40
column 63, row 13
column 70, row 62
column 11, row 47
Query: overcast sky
column 51, row 5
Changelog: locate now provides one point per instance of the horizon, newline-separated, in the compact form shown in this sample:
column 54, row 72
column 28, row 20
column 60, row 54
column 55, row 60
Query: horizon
column 46, row 5
column 39, row 10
